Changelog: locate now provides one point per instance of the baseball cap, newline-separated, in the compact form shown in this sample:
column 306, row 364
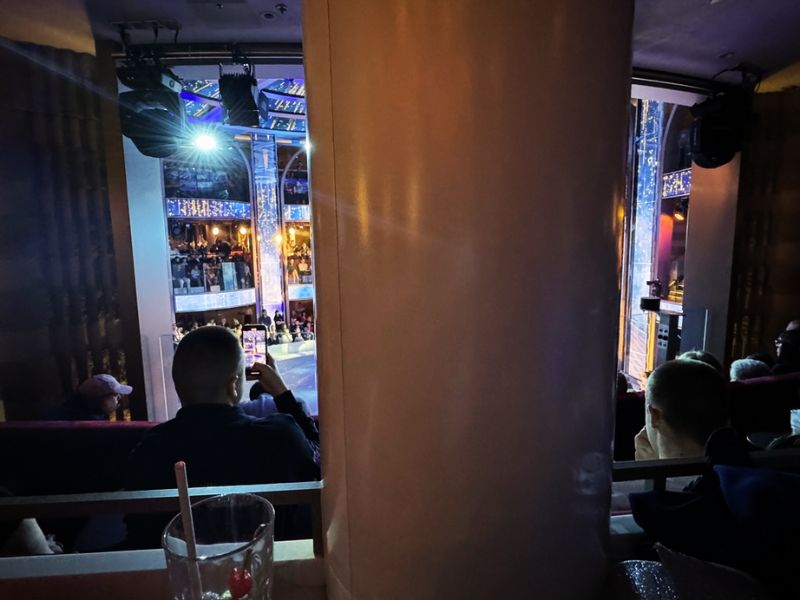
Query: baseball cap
column 102, row 385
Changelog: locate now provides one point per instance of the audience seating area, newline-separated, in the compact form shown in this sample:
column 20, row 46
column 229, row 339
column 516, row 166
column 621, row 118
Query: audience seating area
column 66, row 457
column 760, row 404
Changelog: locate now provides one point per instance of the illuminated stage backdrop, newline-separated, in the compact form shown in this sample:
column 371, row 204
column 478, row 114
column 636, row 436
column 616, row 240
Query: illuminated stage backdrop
column 644, row 228
column 267, row 222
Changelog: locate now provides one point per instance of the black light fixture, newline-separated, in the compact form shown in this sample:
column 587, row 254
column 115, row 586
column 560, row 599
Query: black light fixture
column 717, row 131
column 152, row 113
column 236, row 90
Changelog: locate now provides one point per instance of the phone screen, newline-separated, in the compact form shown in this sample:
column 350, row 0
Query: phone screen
column 254, row 342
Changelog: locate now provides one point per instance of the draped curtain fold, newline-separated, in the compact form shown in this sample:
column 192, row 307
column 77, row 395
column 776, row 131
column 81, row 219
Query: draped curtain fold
column 59, row 315
column 765, row 281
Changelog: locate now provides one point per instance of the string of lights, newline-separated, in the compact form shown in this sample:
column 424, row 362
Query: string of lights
column 207, row 208
column 677, row 184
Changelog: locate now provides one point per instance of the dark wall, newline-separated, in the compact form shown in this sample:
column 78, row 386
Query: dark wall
column 59, row 309
column 765, row 290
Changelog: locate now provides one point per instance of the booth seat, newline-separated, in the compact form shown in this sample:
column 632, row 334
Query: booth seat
column 760, row 404
column 66, row 457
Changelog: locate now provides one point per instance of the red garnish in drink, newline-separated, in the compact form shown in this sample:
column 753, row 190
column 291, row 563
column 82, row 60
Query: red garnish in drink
column 240, row 583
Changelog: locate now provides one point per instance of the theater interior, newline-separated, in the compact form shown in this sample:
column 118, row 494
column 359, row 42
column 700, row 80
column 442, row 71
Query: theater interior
column 509, row 258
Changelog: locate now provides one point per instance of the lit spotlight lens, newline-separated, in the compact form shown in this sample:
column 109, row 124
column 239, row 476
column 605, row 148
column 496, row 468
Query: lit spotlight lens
column 205, row 142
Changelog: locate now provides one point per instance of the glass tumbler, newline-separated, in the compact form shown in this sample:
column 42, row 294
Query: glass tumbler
column 234, row 539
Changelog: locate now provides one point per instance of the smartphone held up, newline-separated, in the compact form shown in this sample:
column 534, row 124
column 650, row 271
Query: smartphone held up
column 254, row 343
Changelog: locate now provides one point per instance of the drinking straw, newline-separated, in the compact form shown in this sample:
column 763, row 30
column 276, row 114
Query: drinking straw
column 195, row 588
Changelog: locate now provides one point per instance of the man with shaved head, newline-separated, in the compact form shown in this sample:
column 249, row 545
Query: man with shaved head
column 685, row 402
column 220, row 444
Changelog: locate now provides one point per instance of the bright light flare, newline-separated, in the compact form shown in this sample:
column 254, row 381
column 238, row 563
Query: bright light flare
column 242, row 230
column 205, row 142
column 215, row 230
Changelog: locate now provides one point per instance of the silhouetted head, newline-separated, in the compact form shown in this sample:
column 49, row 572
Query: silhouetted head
column 208, row 367
column 704, row 357
column 686, row 401
column 748, row 368
column 764, row 357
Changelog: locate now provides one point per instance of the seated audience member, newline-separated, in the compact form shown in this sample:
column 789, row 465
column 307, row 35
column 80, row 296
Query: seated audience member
column 764, row 357
column 220, row 444
column 787, row 346
column 704, row 357
column 261, row 404
column 685, row 402
column 94, row 400
column 748, row 368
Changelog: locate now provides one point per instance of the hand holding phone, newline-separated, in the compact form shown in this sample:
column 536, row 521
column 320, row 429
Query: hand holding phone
column 269, row 378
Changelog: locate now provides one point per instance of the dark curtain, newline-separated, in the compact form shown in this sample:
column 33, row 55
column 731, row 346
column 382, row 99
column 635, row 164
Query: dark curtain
column 59, row 319
column 765, row 291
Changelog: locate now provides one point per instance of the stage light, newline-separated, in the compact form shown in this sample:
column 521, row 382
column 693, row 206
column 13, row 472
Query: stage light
column 242, row 230
column 681, row 209
column 292, row 231
column 215, row 230
column 278, row 238
column 238, row 102
column 151, row 113
column 205, row 142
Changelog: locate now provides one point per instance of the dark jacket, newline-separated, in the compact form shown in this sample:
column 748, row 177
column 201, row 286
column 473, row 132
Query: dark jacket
column 221, row 445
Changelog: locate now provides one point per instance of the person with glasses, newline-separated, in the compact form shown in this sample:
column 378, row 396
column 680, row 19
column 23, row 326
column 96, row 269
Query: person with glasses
column 787, row 348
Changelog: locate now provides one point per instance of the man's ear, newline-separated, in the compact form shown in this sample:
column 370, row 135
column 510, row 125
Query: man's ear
column 232, row 390
column 656, row 416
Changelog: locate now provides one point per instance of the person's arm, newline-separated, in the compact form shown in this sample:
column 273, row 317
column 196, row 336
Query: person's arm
column 286, row 403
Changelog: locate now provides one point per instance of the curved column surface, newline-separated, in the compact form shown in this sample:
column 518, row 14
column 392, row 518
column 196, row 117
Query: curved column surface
column 467, row 182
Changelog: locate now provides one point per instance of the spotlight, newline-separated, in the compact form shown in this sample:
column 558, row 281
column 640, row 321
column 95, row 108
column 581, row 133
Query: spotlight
column 205, row 142
column 151, row 114
column 278, row 238
column 242, row 230
column 718, row 128
column 215, row 230
column 292, row 231
column 681, row 209
column 236, row 91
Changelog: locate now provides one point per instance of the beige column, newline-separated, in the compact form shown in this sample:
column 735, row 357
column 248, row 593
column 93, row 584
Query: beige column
column 467, row 166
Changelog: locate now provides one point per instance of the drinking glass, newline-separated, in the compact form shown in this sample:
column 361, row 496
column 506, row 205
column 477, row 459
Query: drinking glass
column 232, row 532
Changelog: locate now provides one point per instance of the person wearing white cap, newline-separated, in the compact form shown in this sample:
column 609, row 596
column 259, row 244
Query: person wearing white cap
column 94, row 400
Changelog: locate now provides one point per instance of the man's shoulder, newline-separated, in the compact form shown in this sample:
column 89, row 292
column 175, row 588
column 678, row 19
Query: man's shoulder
column 275, row 422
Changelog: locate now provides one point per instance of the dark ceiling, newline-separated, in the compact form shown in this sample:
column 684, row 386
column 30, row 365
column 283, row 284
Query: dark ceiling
column 217, row 21
column 700, row 38
column 686, row 37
